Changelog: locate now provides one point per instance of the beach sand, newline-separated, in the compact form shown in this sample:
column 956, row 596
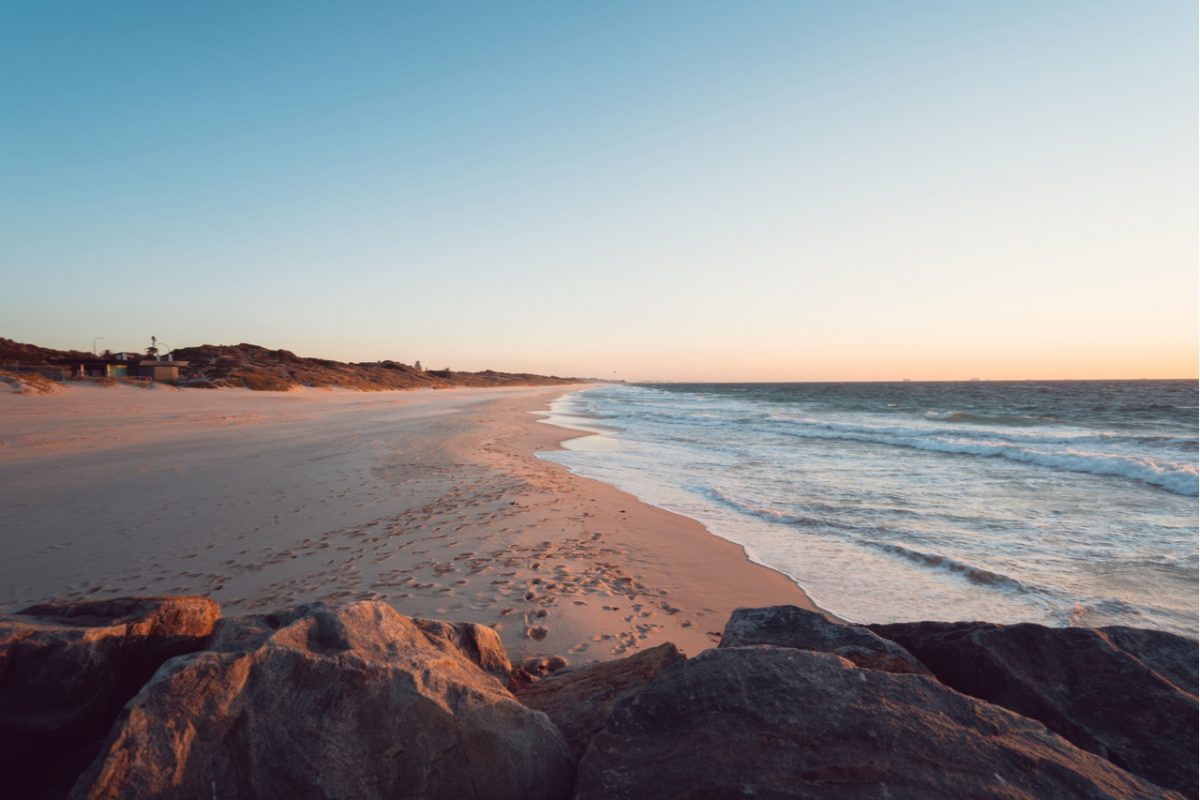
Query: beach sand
column 430, row 500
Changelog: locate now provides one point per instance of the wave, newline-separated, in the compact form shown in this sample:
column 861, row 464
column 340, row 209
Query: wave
column 1103, row 611
column 1107, row 606
column 976, row 575
column 1181, row 479
column 778, row 517
column 1027, row 437
column 983, row 419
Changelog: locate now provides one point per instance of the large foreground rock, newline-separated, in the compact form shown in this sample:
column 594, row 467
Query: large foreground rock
column 791, row 626
column 478, row 644
column 1126, row 694
column 769, row 722
column 66, row 669
column 354, row 702
column 580, row 700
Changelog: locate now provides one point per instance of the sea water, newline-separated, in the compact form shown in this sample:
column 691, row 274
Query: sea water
column 1062, row 503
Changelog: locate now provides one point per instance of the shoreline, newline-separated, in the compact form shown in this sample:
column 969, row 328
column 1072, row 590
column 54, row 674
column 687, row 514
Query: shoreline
column 663, row 577
column 600, row 433
column 435, row 502
column 710, row 548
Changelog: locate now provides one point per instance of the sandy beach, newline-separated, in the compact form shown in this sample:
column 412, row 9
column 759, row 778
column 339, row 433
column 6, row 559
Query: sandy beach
column 432, row 501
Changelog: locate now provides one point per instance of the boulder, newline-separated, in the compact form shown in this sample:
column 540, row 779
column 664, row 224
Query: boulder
column 579, row 700
column 357, row 701
column 790, row 626
column 478, row 643
column 1126, row 694
column 1173, row 657
column 541, row 666
column 772, row 722
column 66, row 669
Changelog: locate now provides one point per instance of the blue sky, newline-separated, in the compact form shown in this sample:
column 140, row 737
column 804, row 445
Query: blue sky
column 652, row 190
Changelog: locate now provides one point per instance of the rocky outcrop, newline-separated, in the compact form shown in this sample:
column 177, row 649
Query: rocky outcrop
column 1173, row 658
column 579, row 701
column 791, row 626
column 478, row 643
column 1126, row 694
column 358, row 701
column 361, row 701
column 785, row 723
column 66, row 669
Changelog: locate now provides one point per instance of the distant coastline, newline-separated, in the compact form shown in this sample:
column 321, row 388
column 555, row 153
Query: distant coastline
column 257, row 368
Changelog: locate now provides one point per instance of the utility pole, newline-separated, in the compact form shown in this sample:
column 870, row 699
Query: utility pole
column 98, row 338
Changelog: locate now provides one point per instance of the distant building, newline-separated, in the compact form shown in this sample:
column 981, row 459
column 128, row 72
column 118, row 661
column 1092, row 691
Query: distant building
column 122, row 365
column 98, row 367
column 160, row 370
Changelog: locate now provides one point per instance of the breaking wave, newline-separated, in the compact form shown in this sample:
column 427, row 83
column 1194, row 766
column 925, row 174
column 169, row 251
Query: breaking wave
column 983, row 419
column 976, row 575
column 1174, row 477
column 795, row 520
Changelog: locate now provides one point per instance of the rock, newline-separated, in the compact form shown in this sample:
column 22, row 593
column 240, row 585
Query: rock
column 1126, row 694
column 1172, row 657
column 535, row 666
column 541, row 666
column 777, row 722
column 357, row 701
column 579, row 700
column 479, row 643
column 520, row 677
column 790, row 626
column 67, row 668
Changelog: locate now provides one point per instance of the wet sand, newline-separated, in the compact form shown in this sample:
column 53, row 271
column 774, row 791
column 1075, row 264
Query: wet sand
column 430, row 500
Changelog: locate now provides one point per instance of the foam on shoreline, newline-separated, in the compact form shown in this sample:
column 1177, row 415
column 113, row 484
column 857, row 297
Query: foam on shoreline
column 872, row 532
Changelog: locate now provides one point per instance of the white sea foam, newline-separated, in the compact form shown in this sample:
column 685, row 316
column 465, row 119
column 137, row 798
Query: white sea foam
column 1181, row 478
column 982, row 419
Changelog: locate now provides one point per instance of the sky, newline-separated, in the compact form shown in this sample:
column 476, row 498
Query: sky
column 638, row 190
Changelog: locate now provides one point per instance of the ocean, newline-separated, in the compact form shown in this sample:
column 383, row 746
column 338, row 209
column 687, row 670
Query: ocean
column 1061, row 503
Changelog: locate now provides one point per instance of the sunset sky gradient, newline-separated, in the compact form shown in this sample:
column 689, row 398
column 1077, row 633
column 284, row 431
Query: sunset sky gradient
column 667, row 190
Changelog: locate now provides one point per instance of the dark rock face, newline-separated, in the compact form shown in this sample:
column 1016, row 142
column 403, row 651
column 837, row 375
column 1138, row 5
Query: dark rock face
column 1126, row 694
column 67, row 669
column 357, row 701
column 580, row 700
column 1172, row 657
column 790, row 626
column 783, row 723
